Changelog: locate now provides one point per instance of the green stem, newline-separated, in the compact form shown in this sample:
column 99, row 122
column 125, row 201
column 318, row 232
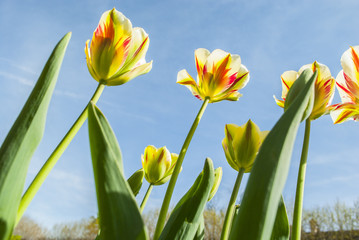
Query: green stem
column 56, row 154
column 298, row 205
column 231, row 206
column 166, row 201
column 145, row 198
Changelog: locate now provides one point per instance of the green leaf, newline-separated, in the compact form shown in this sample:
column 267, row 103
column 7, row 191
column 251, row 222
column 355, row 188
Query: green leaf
column 200, row 230
column 24, row 137
column 268, row 176
column 281, row 230
column 119, row 215
column 136, row 180
column 186, row 216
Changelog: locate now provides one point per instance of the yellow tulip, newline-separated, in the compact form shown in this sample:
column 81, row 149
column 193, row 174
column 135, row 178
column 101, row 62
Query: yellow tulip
column 220, row 76
column 117, row 51
column 241, row 144
column 348, row 87
column 158, row 164
column 323, row 90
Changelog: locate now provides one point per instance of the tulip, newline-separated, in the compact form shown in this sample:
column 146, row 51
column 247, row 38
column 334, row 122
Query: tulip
column 348, row 87
column 241, row 144
column 323, row 90
column 220, row 76
column 117, row 51
column 158, row 164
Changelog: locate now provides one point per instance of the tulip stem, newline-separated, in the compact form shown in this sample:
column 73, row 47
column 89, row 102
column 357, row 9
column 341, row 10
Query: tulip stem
column 231, row 206
column 56, row 154
column 166, row 201
column 145, row 198
column 298, row 205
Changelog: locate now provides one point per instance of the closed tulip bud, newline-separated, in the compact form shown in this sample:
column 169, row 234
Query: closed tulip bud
column 217, row 180
column 117, row 51
column 241, row 144
column 158, row 164
column 135, row 181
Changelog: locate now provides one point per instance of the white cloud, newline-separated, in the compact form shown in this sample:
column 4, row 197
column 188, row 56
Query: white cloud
column 21, row 80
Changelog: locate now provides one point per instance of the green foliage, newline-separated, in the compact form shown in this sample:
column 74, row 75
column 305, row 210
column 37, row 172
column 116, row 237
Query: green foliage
column 119, row 214
column 265, row 184
column 281, row 229
column 186, row 216
column 24, row 137
column 200, row 230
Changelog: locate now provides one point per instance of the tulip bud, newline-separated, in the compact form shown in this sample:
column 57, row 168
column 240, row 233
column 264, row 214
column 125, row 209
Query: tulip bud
column 217, row 180
column 135, row 181
column 158, row 164
column 241, row 144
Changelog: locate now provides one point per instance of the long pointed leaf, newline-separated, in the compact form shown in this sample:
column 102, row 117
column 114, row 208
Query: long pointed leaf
column 281, row 229
column 24, row 137
column 268, row 176
column 186, row 217
column 119, row 214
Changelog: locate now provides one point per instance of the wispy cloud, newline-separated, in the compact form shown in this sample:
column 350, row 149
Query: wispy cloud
column 337, row 179
column 21, row 80
column 18, row 66
column 69, row 94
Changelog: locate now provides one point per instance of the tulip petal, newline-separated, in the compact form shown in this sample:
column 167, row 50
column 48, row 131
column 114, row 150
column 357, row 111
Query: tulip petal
column 288, row 79
column 89, row 62
column 246, row 145
column 240, row 82
column 345, row 112
column 236, row 63
column 201, row 55
column 185, row 79
column 280, row 103
column 350, row 63
column 138, row 50
column 129, row 75
column 215, row 59
column 345, row 95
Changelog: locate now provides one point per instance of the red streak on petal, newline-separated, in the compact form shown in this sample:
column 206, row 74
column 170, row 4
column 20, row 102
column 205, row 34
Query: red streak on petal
column 355, row 59
column 346, row 91
column 188, row 82
column 240, row 78
column 231, row 79
column 342, row 117
column 197, row 65
column 204, row 69
column 140, row 47
column 199, row 97
column 352, row 86
column 285, row 84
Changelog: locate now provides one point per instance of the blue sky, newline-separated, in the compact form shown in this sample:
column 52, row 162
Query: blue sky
column 153, row 110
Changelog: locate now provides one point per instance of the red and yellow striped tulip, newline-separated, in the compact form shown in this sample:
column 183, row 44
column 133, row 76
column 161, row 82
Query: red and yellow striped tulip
column 158, row 164
column 220, row 76
column 323, row 90
column 348, row 87
column 117, row 51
